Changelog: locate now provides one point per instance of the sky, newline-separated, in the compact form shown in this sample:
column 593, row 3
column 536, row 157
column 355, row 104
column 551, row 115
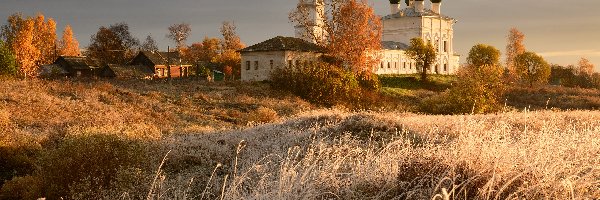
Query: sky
column 561, row 31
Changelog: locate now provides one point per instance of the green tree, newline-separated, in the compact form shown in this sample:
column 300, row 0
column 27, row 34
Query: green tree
column 532, row 68
column 8, row 62
column 423, row 53
column 482, row 54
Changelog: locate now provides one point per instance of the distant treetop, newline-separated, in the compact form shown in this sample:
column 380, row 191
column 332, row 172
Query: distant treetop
column 394, row 1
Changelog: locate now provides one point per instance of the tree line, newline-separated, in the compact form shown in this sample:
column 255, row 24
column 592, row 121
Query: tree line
column 26, row 43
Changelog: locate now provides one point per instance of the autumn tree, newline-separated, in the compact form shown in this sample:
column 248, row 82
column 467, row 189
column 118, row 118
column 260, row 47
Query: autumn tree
column 179, row 34
column 532, row 68
column 113, row 44
column 149, row 44
column 44, row 39
column 586, row 68
column 482, row 54
column 203, row 52
column 514, row 48
column 8, row 63
column 424, row 54
column 69, row 46
column 12, row 27
column 351, row 31
column 230, row 44
column 25, row 51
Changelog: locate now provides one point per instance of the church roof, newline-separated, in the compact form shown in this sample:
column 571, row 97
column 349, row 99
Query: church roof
column 281, row 43
column 411, row 12
column 391, row 45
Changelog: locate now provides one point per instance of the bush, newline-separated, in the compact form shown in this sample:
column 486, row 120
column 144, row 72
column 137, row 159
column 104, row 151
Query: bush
column 320, row 83
column 17, row 161
column 478, row 90
column 93, row 160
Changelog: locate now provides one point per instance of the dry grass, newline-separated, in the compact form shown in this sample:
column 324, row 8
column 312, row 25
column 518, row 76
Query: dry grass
column 136, row 109
column 335, row 154
column 228, row 141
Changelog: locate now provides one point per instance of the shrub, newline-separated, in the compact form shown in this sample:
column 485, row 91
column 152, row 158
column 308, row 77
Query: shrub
column 263, row 115
column 89, row 160
column 25, row 187
column 17, row 161
column 320, row 83
column 478, row 90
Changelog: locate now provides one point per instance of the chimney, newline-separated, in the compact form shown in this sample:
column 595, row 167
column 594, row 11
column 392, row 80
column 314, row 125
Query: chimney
column 419, row 5
column 436, row 6
column 394, row 6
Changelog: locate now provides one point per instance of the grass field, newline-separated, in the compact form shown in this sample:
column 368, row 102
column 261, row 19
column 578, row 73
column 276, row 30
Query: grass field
column 196, row 140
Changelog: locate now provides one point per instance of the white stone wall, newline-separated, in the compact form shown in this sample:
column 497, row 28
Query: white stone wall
column 260, row 67
column 431, row 29
column 395, row 62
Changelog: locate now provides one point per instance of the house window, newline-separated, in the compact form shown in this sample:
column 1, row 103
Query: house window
column 247, row 65
column 395, row 65
column 271, row 63
column 256, row 65
column 411, row 65
column 381, row 65
column 445, row 67
column 445, row 46
column 389, row 65
column 403, row 65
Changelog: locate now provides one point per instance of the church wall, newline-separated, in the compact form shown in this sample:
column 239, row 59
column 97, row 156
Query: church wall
column 258, row 66
column 395, row 62
column 401, row 29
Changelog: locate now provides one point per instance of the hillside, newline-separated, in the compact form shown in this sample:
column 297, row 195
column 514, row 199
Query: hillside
column 196, row 140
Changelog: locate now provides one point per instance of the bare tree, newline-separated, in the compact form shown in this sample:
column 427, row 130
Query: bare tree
column 149, row 44
column 179, row 33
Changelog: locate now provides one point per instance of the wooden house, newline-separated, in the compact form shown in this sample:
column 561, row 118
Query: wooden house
column 158, row 62
column 72, row 66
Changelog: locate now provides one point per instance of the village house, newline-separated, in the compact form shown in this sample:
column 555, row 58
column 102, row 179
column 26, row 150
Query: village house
column 259, row 60
column 399, row 27
column 71, row 66
column 158, row 62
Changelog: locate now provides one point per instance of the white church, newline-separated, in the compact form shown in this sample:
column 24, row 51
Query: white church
column 405, row 21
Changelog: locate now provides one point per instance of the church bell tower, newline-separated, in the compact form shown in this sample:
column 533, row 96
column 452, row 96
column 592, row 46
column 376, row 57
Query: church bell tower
column 312, row 28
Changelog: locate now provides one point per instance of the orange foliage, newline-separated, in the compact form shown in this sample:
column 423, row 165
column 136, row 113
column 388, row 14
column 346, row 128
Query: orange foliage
column 353, row 32
column 514, row 48
column 69, row 46
column 25, row 51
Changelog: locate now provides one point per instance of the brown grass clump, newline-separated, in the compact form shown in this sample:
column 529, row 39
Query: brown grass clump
column 326, row 154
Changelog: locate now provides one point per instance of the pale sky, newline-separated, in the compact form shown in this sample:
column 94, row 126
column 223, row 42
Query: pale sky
column 561, row 31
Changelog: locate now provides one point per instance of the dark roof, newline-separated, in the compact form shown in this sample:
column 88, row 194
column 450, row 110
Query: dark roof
column 127, row 71
column 281, row 43
column 77, row 62
column 411, row 12
column 391, row 45
column 160, row 58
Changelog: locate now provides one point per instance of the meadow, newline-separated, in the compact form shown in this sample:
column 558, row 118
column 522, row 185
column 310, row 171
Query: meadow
column 125, row 139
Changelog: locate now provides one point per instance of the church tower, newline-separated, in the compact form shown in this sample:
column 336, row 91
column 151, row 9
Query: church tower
column 312, row 30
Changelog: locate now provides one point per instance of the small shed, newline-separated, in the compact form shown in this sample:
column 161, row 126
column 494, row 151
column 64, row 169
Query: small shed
column 159, row 62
